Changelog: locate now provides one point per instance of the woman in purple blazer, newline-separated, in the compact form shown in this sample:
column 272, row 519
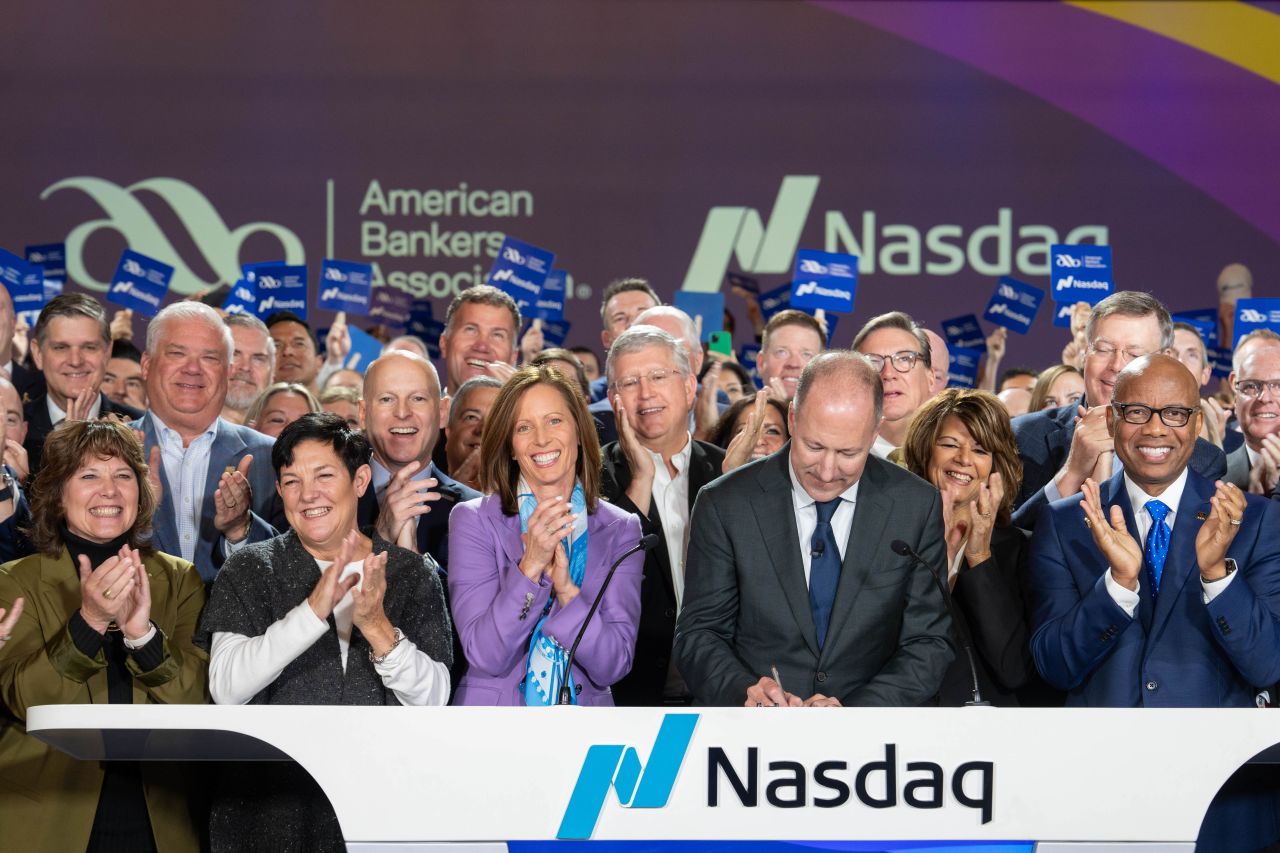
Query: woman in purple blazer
column 526, row 560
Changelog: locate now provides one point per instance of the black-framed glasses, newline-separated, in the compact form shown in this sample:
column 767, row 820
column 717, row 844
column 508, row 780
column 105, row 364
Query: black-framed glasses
column 1136, row 413
column 902, row 361
column 1252, row 388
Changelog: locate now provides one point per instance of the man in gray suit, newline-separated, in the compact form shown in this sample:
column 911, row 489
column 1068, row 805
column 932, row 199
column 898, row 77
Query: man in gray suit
column 216, row 483
column 790, row 564
column 1255, row 377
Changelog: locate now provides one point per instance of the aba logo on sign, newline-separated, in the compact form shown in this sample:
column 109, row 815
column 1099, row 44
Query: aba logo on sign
column 218, row 245
column 638, row 786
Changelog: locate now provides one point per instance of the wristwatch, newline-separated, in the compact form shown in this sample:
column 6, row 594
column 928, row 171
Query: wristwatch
column 1231, row 567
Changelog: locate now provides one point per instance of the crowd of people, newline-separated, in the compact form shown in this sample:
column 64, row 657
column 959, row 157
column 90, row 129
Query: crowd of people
column 234, row 515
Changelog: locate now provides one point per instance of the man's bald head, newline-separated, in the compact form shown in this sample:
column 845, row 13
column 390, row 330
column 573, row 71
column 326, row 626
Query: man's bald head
column 1156, row 368
column 1235, row 282
column 397, row 360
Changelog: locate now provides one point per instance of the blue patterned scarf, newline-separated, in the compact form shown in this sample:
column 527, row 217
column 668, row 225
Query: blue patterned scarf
column 545, row 670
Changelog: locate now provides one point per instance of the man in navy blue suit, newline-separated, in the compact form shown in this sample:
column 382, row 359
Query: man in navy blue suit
column 1159, row 587
column 1061, row 448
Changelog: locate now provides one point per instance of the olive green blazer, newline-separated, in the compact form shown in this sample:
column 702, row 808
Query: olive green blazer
column 48, row 799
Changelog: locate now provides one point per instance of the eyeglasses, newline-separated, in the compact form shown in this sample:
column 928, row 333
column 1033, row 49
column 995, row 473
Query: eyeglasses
column 1253, row 387
column 1136, row 413
column 1105, row 352
column 902, row 361
column 656, row 378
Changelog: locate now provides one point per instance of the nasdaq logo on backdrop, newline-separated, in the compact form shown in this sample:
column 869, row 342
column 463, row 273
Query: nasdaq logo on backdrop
column 739, row 237
column 204, row 227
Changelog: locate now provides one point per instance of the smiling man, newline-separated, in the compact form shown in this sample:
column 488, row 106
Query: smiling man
column 253, row 363
column 655, row 470
column 1061, row 448
column 297, row 356
column 791, row 339
column 217, row 488
column 1159, row 587
column 71, row 345
column 1255, row 464
column 410, row 498
column 467, row 415
column 479, row 337
column 790, row 565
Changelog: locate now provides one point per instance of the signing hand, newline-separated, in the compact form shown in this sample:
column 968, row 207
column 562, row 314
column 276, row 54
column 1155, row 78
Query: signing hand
column 329, row 590
column 405, row 500
column 232, row 501
column 638, row 459
column 550, row 523
column 1218, row 531
column 766, row 693
column 742, row 445
column 105, row 594
column 1112, row 537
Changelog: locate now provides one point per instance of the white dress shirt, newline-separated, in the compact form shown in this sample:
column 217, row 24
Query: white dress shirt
column 187, row 471
column 882, row 447
column 1171, row 497
column 240, row 667
column 671, row 497
column 806, row 512
column 57, row 415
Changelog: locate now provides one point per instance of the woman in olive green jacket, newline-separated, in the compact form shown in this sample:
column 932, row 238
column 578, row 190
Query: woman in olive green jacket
column 105, row 620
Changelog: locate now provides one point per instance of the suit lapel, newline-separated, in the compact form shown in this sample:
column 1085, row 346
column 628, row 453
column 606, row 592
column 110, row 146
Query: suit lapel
column 509, row 532
column 164, row 522
column 776, row 521
column 1180, row 564
column 871, row 517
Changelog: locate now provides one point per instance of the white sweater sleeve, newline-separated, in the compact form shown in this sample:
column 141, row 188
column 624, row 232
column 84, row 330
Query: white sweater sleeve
column 240, row 667
column 413, row 676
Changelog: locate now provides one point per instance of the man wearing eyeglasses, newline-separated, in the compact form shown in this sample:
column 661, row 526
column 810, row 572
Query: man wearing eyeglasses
column 1161, row 588
column 655, row 470
column 1061, row 448
column 1255, row 379
column 901, row 352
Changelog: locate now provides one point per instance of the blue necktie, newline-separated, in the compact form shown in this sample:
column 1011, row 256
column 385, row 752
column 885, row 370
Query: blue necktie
column 1157, row 546
column 824, row 569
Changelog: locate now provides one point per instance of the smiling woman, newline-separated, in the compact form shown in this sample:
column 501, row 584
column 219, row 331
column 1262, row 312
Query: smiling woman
column 106, row 619
column 521, row 577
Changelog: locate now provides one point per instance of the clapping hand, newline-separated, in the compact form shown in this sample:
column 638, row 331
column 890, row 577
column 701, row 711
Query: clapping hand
column 1112, row 537
column 337, row 344
column 8, row 621
column 405, row 500
column 330, row 590
column 106, row 593
column 548, row 525
column 1219, row 530
column 982, row 519
column 561, row 583
column 742, row 445
column 232, row 501
column 15, row 456
column 640, row 491
column 1264, row 475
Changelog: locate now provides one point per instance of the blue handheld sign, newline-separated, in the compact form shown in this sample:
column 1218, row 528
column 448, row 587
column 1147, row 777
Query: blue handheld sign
column 1014, row 305
column 1080, row 273
column 1204, row 319
column 825, row 280
column 555, row 332
column 279, row 287
column 431, row 331
column 1219, row 361
column 24, row 281
column 964, row 332
column 419, row 317
column 708, row 306
column 962, row 372
column 345, row 286
column 51, row 257
column 747, row 358
column 549, row 303
column 1252, row 314
column 364, row 349
column 778, row 299
column 1062, row 314
column 519, row 270
column 390, row 305
column 242, row 299
column 140, row 283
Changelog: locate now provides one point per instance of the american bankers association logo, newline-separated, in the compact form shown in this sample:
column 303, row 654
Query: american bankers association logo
column 638, row 786
column 126, row 214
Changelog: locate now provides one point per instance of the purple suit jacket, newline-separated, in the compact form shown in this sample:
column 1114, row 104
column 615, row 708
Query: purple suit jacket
column 495, row 607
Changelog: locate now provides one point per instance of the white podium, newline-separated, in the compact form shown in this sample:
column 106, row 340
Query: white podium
column 1002, row 779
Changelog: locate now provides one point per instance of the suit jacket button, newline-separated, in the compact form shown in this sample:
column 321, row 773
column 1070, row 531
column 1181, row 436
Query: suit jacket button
column 821, row 676
column 670, row 613
column 1151, row 685
column 577, row 689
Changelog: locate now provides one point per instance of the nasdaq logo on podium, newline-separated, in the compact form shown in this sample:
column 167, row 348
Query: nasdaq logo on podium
column 638, row 786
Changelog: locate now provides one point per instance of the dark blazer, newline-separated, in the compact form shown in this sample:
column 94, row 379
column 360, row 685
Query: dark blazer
column 1044, row 439
column 433, row 528
column 28, row 381
column 233, row 443
column 746, row 602
column 496, row 608
column 990, row 599
column 1238, row 467
column 1176, row 651
column 39, row 426
column 644, row 684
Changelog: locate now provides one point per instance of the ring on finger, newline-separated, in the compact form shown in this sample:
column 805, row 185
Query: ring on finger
column 108, row 594
column 1236, row 522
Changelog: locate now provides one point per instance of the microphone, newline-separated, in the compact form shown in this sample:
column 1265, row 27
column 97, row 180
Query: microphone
column 645, row 543
column 902, row 549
